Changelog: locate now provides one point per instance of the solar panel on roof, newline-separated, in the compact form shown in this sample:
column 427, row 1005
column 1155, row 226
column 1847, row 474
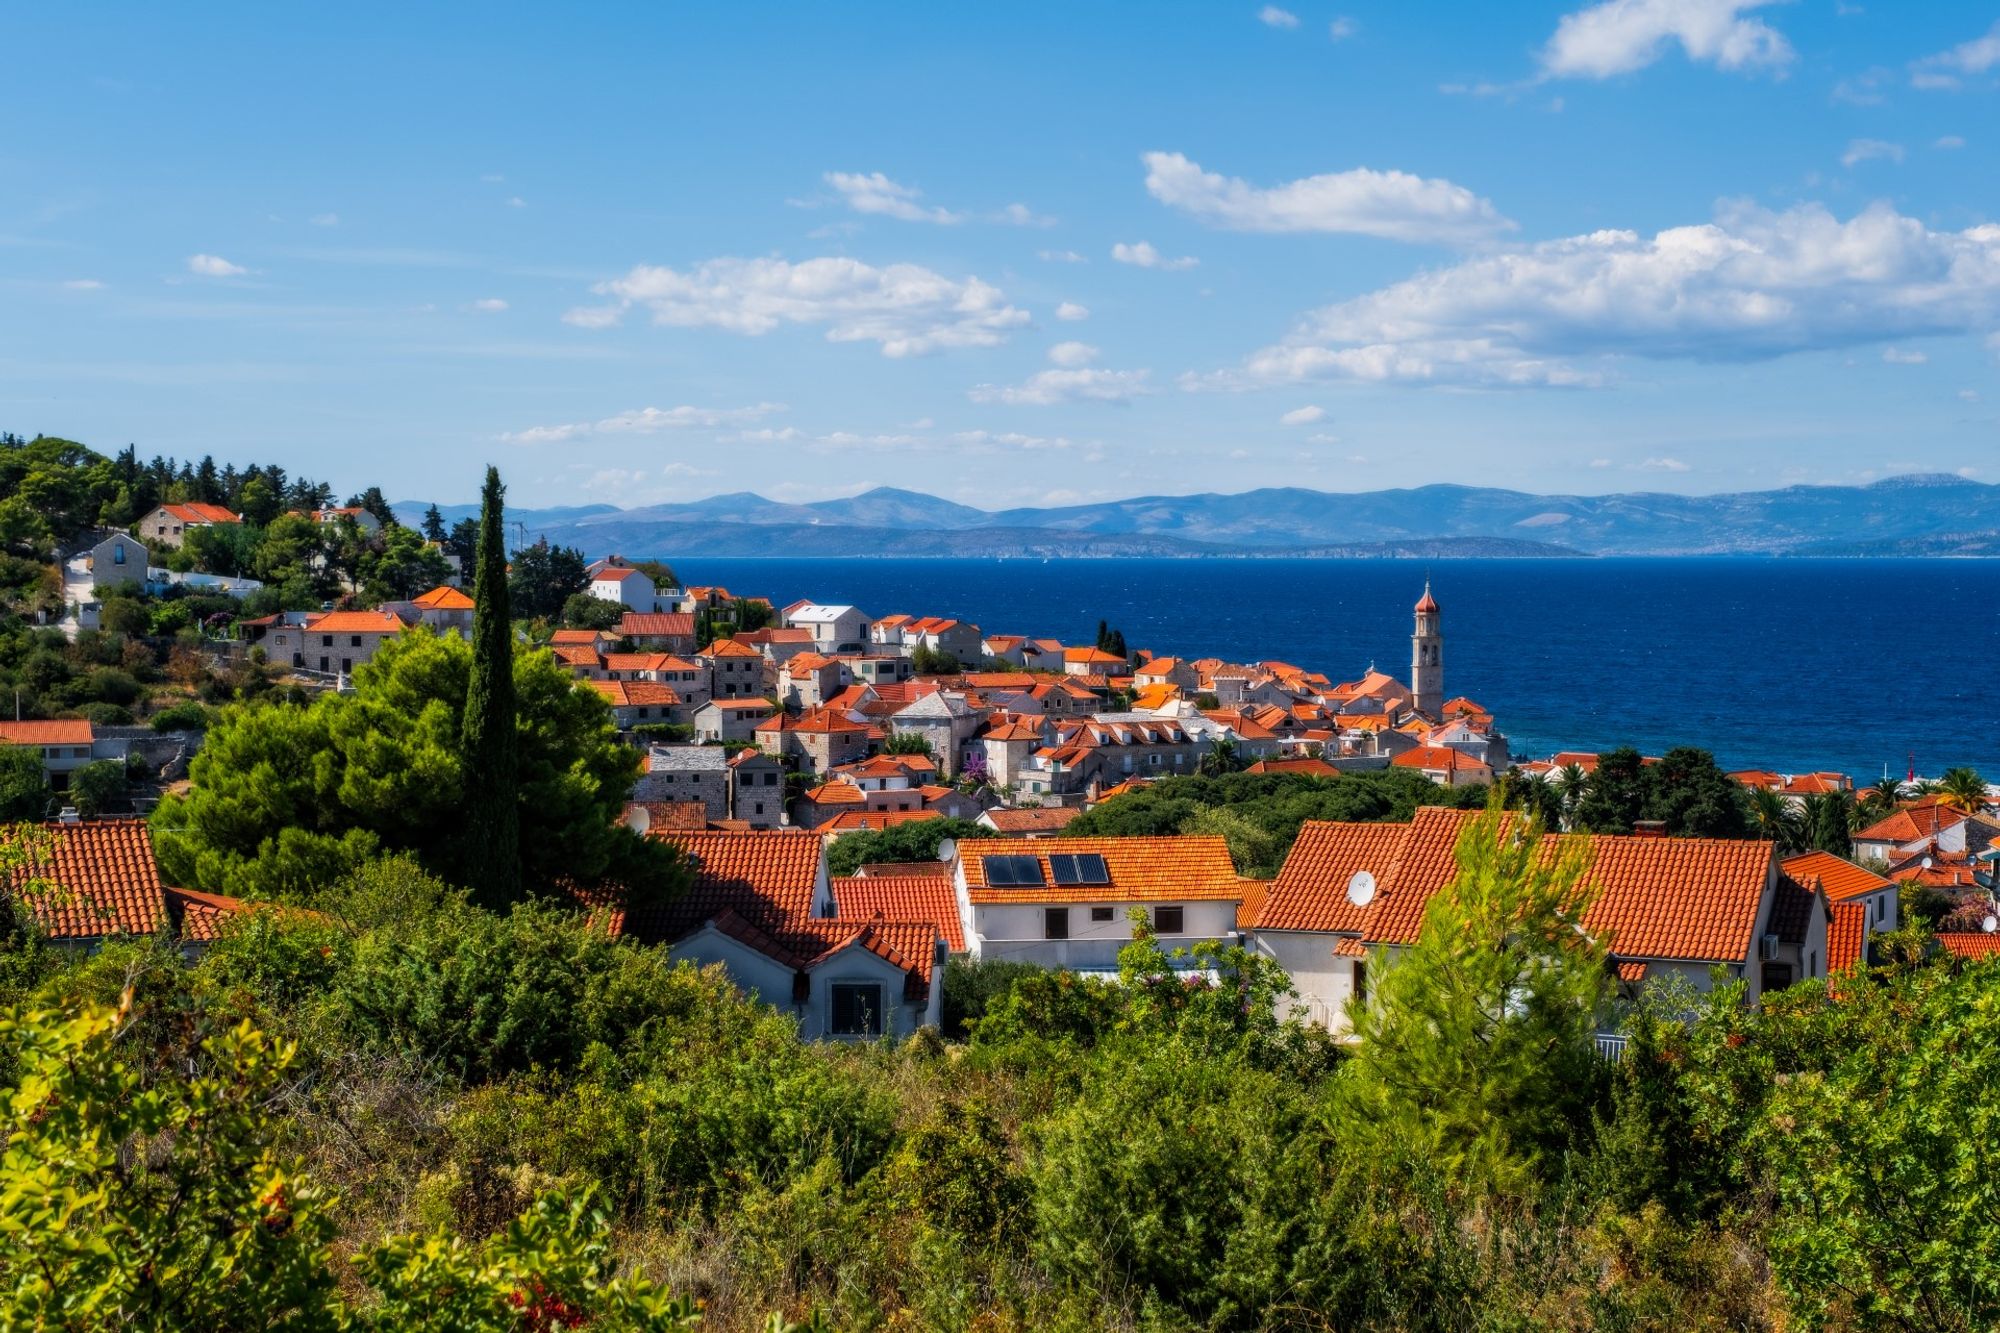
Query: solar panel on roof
column 1078, row 868
column 1012, row 871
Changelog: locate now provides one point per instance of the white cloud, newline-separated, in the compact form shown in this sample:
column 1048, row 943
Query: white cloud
column 1049, row 387
column 1342, row 28
column 1600, row 462
column 1020, row 215
column 1303, row 416
column 646, row 421
column 1868, row 150
column 1072, row 354
column 906, row 309
column 1949, row 141
column 84, row 285
column 1391, row 204
column 1273, row 17
column 1968, row 395
column 1619, row 36
column 594, row 316
column 877, row 194
column 1143, row 255
column 1070, row 312
column 1661, row 465
column 1948, row 69
column 1897, row 356
column 1752, row 285
column 1061, row 256
column 214, row 266
column 516, row 201
column 325, row 219
column 490, row 305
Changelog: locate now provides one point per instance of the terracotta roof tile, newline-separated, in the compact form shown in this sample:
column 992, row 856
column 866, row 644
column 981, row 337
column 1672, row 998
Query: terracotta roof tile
column 64, row 732
column 1841, row 878
column 869, row 821
column 1970, row 943
column 104, row 881
column 444, row 597
column 1032, row 819
column 1310, row 892
column 666, row 624
column 765, row 877
column 916, row 897
column 1846, row 937
column 356, row 622
column 1161, row 869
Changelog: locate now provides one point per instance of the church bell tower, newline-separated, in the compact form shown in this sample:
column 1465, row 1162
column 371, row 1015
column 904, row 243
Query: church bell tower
column 1427, row 659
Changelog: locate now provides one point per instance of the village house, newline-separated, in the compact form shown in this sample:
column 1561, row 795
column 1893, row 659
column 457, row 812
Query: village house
column 1091, row 662
column 721, row 720
column 835, row 629
column 1444, row 765
column 686, row 773
column 443, row 608
column 763, row 908
column 111, row 890
column 945, row 722
column 808, row 680
column 64, row 746
column 819, row 741
column 168, row 524
column 1844, row 882
column 734, row 670
column 1029, row 821
column 1166, row 671
column 615, row 581
column 941, row 635
column 1067, row 902
column 658, row 631
column 875, row 668
column 920, row 892
column 756, row 789
column 119, row 561
column 1351, row 894
column 368, row 524
column 778, row 645
column 339, row 641
column 1009, row 742
column 636, row 703
column 1928, row 827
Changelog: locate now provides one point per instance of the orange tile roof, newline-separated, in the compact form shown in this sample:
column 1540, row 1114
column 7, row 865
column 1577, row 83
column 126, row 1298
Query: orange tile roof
column 939, row 869
column 637, row 662
column 1693, row 899
column 1911, row 823
column 1161, row 869
column 919, row 897
column 587, row 637
column 1842, row 879
column 1310, row 892
column 63, row 732
column 634, row 693
column 1970, row 943
column 1437, row 756
column 356, row 622
column 729, row 648
column 1032, row 819
column 758, row 706
column 671, row 816
column 1317, row 768
column 201, row 917
column 1846, row 937
column 765, row 877
column 101, row 880
column 873, row 821
column 837, row 793
column 576, row 654
column 444, row 597
column 643, row 624
column 1251, row 909
column 1091, row 655
column 192, row 512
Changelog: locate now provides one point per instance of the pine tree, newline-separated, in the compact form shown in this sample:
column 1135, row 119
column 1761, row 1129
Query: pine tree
column 434, row 526
column 493, row 840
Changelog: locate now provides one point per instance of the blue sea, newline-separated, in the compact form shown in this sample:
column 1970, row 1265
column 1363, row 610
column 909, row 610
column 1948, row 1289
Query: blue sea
column 1792, row 665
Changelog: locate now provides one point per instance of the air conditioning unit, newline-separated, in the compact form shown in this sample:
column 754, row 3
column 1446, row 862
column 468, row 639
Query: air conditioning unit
column 1767, row 947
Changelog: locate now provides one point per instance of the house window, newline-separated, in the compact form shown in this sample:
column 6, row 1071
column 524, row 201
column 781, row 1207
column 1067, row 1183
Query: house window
column 1360, row 981
column 1055, row 923
column 354, row 640
column 326, row 641
column 1100, row 914
column 1169, row 920
column 857, row 1009
column 1777, row 976
column 117, row 555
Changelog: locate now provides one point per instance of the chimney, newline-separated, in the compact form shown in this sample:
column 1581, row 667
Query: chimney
column 1649, row 828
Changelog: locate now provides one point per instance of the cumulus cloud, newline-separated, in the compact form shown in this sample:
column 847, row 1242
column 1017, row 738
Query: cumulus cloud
column 1949, row 141
column 1898, row 356
column 1619, row 36
column 1391, row 204
column 1751, row 285
column 1342, row 28
column 1070, row 312
column 1273, row 17
column 214, row 266
column 1661, row 465
column 1072, row 354
column 1061, row 256
column 491, row 305
column 1303, row 416
column 906, row 309
column 1949, row 69
column 1069, row 385
column 1868, row 150
column 1143, row 255
column 646, row 421
column 1020, row 215
column 877, row 194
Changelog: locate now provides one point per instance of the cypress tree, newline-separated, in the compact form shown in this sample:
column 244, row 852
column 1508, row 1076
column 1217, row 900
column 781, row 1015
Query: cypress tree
column 492, row 826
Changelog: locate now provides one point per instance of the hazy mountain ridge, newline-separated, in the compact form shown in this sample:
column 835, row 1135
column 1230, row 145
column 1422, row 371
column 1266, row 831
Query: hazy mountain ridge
column 1920, row 514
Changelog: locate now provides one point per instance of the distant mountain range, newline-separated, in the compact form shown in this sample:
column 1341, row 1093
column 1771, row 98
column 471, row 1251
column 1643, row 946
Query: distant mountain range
column 1913, row 515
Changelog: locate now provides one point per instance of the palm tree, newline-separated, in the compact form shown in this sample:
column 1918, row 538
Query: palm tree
column 1220, row 759
column 1777, row 819
column 1571, row 783
column 1879, row 803
column 1962, row 789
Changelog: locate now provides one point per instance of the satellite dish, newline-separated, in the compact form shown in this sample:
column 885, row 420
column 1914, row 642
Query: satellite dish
column 1990, row 924
column 1361, row 888
column 1927, row 863
column 638, row 818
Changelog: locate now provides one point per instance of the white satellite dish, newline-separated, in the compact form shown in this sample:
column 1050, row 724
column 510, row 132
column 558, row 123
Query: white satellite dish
column 1361, row 888
column 1990, row 924
column 1927, row 863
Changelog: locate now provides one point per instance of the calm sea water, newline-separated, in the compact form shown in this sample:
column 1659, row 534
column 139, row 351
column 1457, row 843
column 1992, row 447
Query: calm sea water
column 1793, row 665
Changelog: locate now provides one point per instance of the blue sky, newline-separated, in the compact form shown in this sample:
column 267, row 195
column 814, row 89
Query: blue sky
column 1010, row 254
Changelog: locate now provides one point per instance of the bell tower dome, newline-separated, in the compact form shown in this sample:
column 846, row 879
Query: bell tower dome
column 1427, row 658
